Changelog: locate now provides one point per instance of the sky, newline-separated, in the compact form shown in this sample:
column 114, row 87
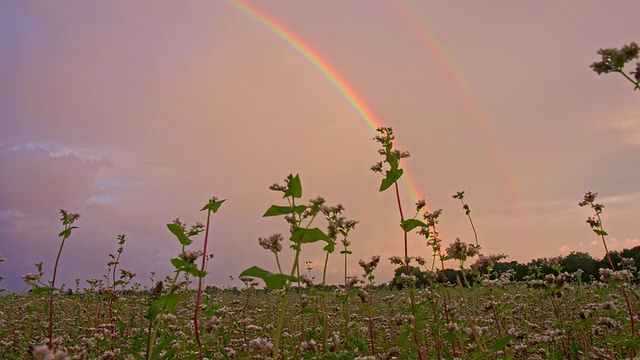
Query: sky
column 134, row 114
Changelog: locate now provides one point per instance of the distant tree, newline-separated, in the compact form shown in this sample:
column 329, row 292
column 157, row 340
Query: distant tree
column 582, row 261
column 397, row 283
column 633, row 253
column 520, row 270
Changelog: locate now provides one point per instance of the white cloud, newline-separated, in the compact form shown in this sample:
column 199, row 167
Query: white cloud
column 628, row 126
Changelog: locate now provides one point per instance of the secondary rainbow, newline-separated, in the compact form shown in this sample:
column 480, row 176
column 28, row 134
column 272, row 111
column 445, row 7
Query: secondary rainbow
column 419, row 26
column 332, row 74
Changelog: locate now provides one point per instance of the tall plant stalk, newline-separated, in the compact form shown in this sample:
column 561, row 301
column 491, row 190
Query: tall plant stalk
column 67, row 220
column 392, row 175
column 596, row 226
column 212, row 206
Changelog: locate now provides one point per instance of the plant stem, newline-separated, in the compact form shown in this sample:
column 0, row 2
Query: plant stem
column 53, row 285
column 200, row 281
column 406, row 260
column 287, row 288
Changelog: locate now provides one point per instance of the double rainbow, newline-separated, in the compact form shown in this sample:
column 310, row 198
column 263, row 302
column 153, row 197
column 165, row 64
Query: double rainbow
column 362, row 108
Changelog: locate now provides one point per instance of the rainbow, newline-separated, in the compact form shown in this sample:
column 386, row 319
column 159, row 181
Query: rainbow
column 411, row 16
column 332, row 74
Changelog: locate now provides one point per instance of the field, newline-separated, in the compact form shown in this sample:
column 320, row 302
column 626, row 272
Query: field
column 533, row 320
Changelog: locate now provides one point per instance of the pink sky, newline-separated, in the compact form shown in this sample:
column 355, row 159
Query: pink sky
column 133, row 114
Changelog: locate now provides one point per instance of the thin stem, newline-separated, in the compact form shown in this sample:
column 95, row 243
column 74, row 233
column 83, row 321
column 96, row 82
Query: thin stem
column 624, row 292
column 53, row 285
column 346, row 300
column 324, row 306
column 200, row 281
column 636, row 83
column 406, row 260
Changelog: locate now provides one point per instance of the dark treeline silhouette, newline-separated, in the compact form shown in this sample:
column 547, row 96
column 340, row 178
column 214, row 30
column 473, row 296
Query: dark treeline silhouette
column 577, row 263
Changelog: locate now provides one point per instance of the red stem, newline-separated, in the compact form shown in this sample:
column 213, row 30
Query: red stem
column 406, row 260
column 200, row 280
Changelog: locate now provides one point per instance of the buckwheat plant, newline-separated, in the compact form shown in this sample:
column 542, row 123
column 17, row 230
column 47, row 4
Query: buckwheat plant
column 368, row 268
column 340, row 225
column 596, row 225
column 2, row 277
column 337, row 225
column 300, row 219
column 211, row 207
column 460, row 196
column 461, row 251
column 433, row 240
column 67, row 220
column 392, row 158
column 614, row 61
column 185, row 263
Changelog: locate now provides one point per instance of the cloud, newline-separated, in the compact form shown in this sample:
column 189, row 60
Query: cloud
column 627, row 126
column 36, row 179
column 596, row 249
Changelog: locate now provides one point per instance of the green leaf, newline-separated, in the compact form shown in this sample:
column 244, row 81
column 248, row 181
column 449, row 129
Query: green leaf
column 168, row 301
column 600, row 232
column 67, row 232
column 411, row 224
column 306, row 311
column 271, row 280
column 134, row 353
column 158, row 349
column 295, row 188
column 305, row 236
column 213, row 206
column 330, row 247
column 450, row 337
column 43, row 289
column 276, row 210
column 179, row 233
column 501, row 343
column 191, row 268
column 392, row 176
column 178, row 263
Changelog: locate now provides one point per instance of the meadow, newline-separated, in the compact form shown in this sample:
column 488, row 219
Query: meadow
column 497, row 319
column 287, row 314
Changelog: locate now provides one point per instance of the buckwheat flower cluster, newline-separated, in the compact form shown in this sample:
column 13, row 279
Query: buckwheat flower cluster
column 310, row 346
column 261, row 345
column 273, row 243
column 627, row 262
column 558, row 280
column 484, row 263
column 368, row 267
column 43, row 352
column 475, row 332
column 306, row 280
column 610, row 275
column 127, row 273
column 613, row 60
column 30, row 277
column 212, row 324
column 396, row 260
column 68, row 217
column 461, row 251
column 190, row 256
